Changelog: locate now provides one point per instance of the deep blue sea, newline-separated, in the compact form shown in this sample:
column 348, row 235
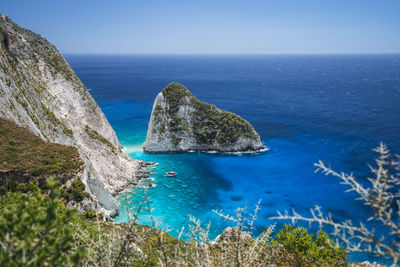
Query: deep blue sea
column 334, row 108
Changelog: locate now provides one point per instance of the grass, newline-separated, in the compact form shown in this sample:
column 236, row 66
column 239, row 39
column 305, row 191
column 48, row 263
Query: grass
column 55, row 121
column 24, row 152
column 95, row 135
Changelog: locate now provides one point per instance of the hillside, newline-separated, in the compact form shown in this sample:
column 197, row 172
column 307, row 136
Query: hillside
column 23, row 154
column 39, row 90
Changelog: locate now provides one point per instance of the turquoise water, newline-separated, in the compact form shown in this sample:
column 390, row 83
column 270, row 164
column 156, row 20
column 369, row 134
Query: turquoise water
column 306, row 108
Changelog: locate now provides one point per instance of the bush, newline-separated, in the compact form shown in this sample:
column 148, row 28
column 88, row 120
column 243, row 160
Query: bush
column 13, row 186
column 35, row 230
column 92, row 214
column 301, row 249
column 76, row 191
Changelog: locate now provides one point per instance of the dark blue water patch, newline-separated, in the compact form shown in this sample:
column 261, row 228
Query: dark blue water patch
column 268, row 204
column 236, row 198
column 306, row 108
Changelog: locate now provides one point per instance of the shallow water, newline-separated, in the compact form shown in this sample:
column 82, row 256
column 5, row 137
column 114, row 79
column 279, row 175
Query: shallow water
column 306, row 108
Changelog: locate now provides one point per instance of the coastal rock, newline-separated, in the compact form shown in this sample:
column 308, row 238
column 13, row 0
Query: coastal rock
column 180, row 122
column 230, row 236
column 39, row 90
column 367, row 264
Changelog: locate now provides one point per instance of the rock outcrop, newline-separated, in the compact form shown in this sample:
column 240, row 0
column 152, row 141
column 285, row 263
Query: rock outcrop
column 39, row 90
column 180, row 122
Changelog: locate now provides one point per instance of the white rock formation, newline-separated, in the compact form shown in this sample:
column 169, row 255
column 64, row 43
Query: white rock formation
column 180, row 122
column 39, row 90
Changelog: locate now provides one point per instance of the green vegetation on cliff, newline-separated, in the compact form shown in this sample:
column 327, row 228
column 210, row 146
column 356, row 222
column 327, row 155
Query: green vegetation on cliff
column 209, row 124
column 25, row 158
column 25, row 153
column 212, row 124
column 95, row 135
column 55, row 121
column 175, row 94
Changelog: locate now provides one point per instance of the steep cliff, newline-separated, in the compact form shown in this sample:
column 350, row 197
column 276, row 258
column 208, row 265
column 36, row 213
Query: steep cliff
column 180, row 122
column 40, row 91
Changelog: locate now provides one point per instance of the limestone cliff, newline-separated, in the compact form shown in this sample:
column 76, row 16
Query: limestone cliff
column 180, row 122
column 40, row 91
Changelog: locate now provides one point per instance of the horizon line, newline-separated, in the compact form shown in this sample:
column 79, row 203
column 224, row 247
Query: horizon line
column 231, row 54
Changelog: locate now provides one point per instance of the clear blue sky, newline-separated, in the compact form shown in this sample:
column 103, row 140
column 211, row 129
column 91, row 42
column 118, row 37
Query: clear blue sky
column 212, row 26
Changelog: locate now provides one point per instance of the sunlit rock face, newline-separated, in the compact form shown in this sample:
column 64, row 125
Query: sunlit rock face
column 180, row 122
column 39, row 90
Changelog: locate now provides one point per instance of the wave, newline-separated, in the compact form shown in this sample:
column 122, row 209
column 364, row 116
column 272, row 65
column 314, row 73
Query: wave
column 266, row 149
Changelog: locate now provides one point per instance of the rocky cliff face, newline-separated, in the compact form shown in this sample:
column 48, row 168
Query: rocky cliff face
column 180, row 122
column 39, row 90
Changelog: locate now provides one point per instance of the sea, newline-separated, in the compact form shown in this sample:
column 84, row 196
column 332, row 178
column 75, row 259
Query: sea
column 306, row 108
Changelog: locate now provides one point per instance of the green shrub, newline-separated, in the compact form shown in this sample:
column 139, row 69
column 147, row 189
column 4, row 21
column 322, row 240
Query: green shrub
column 92, row 214
column 35, row 230
column 301, row 249
column 76, row 191
column 13, row 186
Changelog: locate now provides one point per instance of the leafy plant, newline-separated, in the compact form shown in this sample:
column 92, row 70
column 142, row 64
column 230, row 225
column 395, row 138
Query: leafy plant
column 76, row 191
column 301, row 249
column 35, row 230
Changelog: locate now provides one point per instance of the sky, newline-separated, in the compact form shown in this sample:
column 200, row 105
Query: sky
column 212, row 26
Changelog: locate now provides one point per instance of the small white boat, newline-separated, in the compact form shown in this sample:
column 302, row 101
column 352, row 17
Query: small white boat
column 151, row 185
column 171, row 174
